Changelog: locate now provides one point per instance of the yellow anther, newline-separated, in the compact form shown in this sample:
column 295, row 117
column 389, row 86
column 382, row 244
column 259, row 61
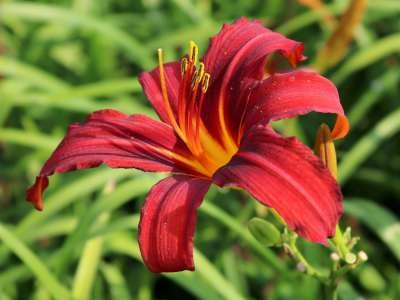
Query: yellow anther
column 184, row 65
column 205, row 82
column 197, row 76
column 193, row 52
column 200, row 72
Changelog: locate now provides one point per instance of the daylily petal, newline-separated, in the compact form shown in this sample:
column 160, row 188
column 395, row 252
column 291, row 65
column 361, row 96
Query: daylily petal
column 291, row 94
column 167, row 223
column 150, row 82
column 284, row 174
column 236, row 59
column 119, row 141
column 234, row 37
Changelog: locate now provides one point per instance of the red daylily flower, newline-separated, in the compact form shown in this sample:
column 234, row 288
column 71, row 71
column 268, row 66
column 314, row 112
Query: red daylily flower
column 215, row 128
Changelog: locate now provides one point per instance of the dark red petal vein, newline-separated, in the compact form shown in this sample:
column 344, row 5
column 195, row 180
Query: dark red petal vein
column 167, row 223
column 150, row 82
column 119, row 141
column 291, row 94
column 236, row 60
column 284, row 174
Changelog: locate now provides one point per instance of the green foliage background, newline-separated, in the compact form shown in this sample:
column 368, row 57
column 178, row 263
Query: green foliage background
column 63, row 59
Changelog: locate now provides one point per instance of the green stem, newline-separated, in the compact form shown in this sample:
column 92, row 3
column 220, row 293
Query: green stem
column 340, row 243
column 310, row 270
column 332, row 293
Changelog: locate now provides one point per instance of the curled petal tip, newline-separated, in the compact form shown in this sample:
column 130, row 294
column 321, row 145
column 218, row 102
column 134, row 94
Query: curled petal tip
column 342, row 127
column 34, row 193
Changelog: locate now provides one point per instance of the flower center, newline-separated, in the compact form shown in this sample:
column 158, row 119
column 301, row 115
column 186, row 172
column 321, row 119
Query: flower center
column 208, row 153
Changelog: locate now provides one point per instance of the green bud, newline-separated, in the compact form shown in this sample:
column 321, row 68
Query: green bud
column 335, row 257
column 350, row 258
column 264, row 232
column 362, row 256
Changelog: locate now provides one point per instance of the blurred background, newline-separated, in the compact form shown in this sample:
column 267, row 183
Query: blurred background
column 61, row 60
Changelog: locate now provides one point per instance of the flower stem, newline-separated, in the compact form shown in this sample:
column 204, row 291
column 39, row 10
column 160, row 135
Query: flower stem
column 332, row 293
column 340, row 243
column 295, row 252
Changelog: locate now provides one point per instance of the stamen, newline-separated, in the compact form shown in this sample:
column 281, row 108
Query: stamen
column 208, row 153
column 191, row 113
column 184, row 65
column 204, row 86
column 205, row 82
column 200, row 72
column 164, row 92
column 194, row 80
column 193, row 52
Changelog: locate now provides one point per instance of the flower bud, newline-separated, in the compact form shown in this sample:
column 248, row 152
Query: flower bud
column 334, row 256
column 350, row 258
column 301, row 267
column 362, row 256
column 325, row 149
column 264, row 231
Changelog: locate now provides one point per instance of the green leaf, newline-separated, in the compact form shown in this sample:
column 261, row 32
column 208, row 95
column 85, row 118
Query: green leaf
column 116, row 281
column 125, row 243
column 230, row 222
column 366, row 145
column 379, row 220
column 28, row 139
column 210, row 274
column 379, row 87
column 25, row 71
column 48, row 13
column 89, row 261
column 378, row 50
column 68, row 193
column 40, row 270
column 371, row 279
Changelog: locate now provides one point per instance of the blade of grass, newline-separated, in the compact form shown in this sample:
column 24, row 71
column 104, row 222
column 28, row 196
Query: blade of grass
column 215, row 278
column 60, row 199
column 180, row 37
column 68, row 193
column 116, row 281
column 195, row 282
column 11, row 67
column 307, row 18
column 89, row 260
column 103, row 88
column 28, row 139
column 213, row 211
column 380, row 178
column 366, row 145
column 187, row 7
column 49, row 281
column 378, row 88
column 336, row 47
column 13, row 274
column 106, row 203
column 367, row 56
column 378, row 219
column 132, row 48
